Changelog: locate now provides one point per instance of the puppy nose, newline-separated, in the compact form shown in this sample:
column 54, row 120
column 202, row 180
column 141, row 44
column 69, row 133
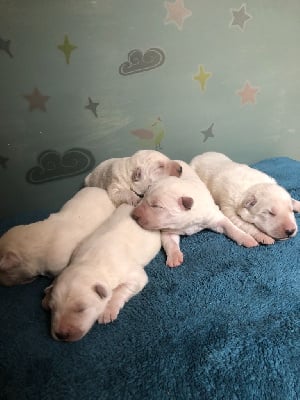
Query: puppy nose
column 62, row 335
column 179, row 170
column 135, row 217
column 290, row 232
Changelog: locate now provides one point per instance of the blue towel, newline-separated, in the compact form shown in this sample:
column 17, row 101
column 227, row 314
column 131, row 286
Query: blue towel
column 224, row 325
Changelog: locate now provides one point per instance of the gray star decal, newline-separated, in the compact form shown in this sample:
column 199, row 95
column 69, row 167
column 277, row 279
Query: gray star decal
column 240, row 17
column 208, row 133
column 93, row 107
column 4, row 45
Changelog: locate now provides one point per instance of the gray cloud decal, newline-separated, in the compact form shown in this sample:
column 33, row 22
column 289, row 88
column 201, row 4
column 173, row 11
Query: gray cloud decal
column 52, row 166
column 139, row 62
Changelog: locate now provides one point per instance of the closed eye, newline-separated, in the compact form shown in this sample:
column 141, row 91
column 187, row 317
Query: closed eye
column 155, row 206
column 272, row 213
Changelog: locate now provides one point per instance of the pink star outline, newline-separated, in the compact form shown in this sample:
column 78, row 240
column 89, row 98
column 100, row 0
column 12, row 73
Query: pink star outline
column 248, row 93
column 36, row 100
column 177, row 13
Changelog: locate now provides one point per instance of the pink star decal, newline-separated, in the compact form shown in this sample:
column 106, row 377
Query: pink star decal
column 177, row 13
column 36, row 100
column 248, row 93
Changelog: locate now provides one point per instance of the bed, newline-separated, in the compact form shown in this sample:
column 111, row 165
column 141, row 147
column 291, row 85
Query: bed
column 224, row 325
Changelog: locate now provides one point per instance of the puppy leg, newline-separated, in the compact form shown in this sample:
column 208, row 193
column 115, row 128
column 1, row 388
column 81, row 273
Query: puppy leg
column 296, row 205
column 224, row 225
column 121, row 295
column 170, row 243
column 251, row 229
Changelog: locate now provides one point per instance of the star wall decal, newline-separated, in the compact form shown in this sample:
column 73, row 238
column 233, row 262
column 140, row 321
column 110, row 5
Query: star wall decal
column 36, row 100
column 67, row 48
column 202, row 77
column 3, row 161
column 92, row 106
column 208, row 132
column 240, row 17
column 177, row 13
column 5, row 46
column 248, row 93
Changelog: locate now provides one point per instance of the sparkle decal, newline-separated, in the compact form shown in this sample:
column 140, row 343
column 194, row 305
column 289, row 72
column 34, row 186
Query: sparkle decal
column 248, row 93
column 139, row 62
column 52, row 166
column 67, row 48
column 202, row 77
column 240, row 17
column 36, row 100
column 176, row 13
column 5, row 46
column 208, row 132
column 92, row 106
column 3, row 161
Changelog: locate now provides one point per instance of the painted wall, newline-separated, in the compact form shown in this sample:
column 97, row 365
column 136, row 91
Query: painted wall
column 82, row 81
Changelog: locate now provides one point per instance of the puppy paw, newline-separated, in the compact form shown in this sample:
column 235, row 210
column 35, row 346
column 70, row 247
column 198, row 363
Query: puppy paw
column 175, row 259
column 263, row 238
column 109, row 315
column 249, row 241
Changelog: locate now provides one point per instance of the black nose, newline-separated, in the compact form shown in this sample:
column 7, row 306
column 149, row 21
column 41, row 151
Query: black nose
column 180, row 170
column 62, row 335
column 290, row 232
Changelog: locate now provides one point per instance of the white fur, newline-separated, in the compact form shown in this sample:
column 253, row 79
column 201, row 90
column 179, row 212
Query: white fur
column 251, row 199
column 105, row 271
column 126, row 179
column 45, row 247
column 180, row 206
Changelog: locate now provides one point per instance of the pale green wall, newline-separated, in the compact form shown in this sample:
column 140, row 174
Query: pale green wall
column 166, row 101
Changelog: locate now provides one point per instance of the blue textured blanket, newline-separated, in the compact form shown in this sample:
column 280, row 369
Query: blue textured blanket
column 224, row 325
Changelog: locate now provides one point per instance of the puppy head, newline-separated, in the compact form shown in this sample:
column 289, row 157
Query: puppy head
column 166, row 206
column 148, row 166
column 269, row 207
column 74, row 307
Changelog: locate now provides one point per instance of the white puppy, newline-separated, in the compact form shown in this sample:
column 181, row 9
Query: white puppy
column 183, row 206
column 251, row 199
column 105, row 271
column 45, row 247
column 126, row 179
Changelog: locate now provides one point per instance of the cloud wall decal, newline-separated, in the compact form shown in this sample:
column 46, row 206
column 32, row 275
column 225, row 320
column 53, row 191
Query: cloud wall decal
column 52, row 166
column 140, row 62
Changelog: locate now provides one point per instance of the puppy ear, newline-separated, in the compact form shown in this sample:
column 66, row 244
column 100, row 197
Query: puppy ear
column 102, row 290
column 8, row 260
column 249, row 201
column 136, row 174
column 46, row 299
column 186, row 202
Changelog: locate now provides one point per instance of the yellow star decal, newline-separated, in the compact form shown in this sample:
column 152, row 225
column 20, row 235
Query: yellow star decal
column 67, row 48
column 202, row 77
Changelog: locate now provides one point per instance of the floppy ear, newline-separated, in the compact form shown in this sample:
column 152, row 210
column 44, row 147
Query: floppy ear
column 186, row 202
column 296, row 205
column 249, row 201
column 102, row 290
column 46, row 299
column 8, row 260
column 136, row 174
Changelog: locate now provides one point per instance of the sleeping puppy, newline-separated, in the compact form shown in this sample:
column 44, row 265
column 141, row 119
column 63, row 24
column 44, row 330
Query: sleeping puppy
column 183, row 206
column 45, row 247
column 252, row 200
column 105, row 271
column 126, row 179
